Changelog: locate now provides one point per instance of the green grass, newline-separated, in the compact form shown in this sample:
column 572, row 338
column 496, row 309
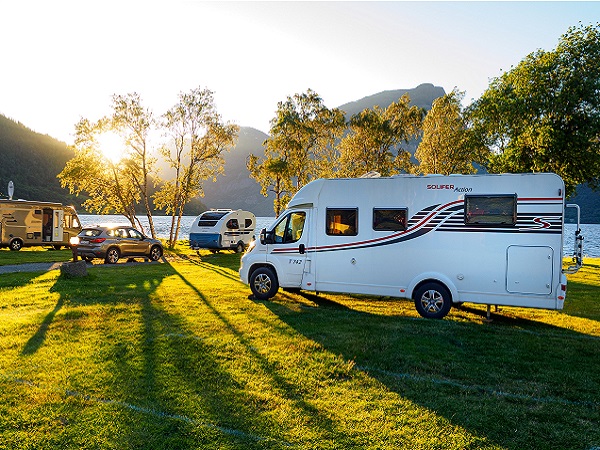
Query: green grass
column 176, row 356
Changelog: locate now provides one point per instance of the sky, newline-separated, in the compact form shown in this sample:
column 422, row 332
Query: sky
column 64, row 60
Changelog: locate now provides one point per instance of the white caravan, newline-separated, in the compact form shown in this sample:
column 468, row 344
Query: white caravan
column 440, row 240
column 219, row 229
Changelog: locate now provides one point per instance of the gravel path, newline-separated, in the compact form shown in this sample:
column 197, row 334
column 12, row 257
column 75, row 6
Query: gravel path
column 31, row 267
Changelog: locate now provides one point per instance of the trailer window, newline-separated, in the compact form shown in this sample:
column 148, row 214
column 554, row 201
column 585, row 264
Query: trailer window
column 248, row 223
column 232, row 224
column 491, row 210
column 342, row 221
column 290, row 228
column 391, row 219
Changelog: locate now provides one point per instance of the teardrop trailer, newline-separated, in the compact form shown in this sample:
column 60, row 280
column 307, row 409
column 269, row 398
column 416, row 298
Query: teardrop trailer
column 223, row 229
column 440, row 240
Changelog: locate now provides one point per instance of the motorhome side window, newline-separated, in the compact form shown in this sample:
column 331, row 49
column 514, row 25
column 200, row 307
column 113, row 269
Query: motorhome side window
column 491, row 210
column 342, row 221
column 232, row 224
column 290, row 228
column 390, row 219
column 248, row 223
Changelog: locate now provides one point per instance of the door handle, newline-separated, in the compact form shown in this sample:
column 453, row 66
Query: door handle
column 301, row 249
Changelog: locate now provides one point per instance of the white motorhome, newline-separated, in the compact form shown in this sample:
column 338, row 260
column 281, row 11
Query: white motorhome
column 440, row 240
column 219, row 229
column 25, row 223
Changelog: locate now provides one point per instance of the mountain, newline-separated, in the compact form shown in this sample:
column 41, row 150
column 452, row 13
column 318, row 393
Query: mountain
column 421, row 96
column 32, row 161
column 236, row 189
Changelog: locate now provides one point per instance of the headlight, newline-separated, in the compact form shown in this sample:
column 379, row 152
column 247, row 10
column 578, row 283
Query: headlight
column 251, row 245
column 74, row 240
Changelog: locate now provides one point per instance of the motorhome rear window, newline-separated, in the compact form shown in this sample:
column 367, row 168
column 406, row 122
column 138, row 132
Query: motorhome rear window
column 342, row 221
column 491, row 210
column 389, row 219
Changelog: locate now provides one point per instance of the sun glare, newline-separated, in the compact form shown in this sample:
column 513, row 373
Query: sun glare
column 111, row 145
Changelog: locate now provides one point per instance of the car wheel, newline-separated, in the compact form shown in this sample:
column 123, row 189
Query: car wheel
column 87, row 258
column 240, row 247
column 16, row 245
column 112, row 256
column 155, row 253
column 263, row 283
column 433, row 300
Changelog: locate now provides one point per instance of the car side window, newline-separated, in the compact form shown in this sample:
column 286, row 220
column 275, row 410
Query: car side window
column 135, row 234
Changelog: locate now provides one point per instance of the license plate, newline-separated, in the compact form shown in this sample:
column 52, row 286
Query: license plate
column 84, row 241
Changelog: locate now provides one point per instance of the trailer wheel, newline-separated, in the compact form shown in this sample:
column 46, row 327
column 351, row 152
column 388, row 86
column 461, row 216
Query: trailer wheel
column 16, row 245
column 433, row 300
column 112, row 256
column 239, row 247
column 263, row 283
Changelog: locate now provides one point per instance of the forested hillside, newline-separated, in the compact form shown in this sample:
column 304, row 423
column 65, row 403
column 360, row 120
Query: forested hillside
column 32, row 161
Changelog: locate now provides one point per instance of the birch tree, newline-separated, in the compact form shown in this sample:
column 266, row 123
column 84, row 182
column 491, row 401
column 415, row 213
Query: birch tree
column 198, row 138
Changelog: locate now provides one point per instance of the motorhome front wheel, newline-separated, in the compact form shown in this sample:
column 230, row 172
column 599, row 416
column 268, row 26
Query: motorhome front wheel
column 433, row 300
column 263, row 283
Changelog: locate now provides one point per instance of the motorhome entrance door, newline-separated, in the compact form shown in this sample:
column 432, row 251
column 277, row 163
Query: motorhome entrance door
column 288, row 249
column 57, row 225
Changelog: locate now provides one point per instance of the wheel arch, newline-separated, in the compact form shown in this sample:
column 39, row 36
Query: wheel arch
column 433, row 277
column 258, row 265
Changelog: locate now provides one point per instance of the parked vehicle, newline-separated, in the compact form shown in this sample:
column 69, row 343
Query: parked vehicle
column 25, row 223
column 112, row 242
column 440, row 240
column 219, row 229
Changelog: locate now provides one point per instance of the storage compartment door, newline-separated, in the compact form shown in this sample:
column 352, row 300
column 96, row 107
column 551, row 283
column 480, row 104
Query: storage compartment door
column 529, row 270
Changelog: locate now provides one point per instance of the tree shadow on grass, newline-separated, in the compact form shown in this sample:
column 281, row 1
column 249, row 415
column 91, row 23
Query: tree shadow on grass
column 167, row 387
column 516, row 383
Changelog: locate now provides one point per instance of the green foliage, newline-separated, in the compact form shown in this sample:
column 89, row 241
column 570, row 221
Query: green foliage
column 544, row 114
column 374, row 137
column 198, row 140
column 448, row 144
column 301, row 146
column 106, row 184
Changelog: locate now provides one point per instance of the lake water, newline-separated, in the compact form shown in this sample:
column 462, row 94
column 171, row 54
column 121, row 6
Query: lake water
column 162, row 225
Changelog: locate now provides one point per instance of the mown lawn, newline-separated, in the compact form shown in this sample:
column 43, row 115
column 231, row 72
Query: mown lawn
column 176, row 356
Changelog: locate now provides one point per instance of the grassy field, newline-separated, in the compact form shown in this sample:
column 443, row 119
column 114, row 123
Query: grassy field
column 175, row 355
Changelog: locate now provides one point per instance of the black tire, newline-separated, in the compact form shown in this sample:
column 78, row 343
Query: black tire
column 16, row 245
column 433, row 300
column 87, row 258
column 155, row 253
column 57, row 247
column 239, row 247
column 112, row 255
column 263, row 283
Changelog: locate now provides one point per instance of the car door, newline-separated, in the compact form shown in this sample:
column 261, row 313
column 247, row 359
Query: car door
column 136, row 242
column 288, row 248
